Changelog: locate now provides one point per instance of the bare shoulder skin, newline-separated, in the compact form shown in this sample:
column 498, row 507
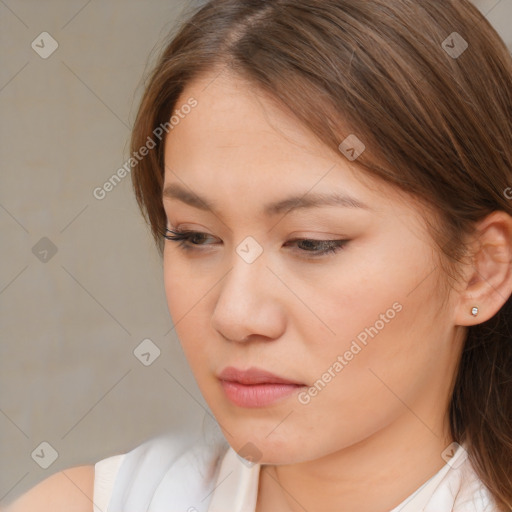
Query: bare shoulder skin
column 70, row 490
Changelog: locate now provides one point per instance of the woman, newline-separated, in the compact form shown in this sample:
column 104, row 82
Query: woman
column 331, row 195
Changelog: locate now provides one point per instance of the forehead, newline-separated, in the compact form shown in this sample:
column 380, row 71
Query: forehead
column 237, row 140
column 233, row 114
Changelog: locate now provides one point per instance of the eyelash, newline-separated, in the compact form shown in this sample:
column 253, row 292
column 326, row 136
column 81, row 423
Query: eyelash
column 184, row 239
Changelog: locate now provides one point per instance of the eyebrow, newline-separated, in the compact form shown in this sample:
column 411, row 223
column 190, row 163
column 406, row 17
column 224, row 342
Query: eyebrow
column 304, row 201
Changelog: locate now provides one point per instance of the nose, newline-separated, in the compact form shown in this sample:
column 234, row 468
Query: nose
column 248, row 306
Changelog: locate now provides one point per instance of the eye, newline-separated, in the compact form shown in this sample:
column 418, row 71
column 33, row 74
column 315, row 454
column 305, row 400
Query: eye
column 310, row 248
column 319, row 247
column 186, row 239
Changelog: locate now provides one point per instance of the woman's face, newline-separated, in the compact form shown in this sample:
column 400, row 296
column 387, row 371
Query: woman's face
column 359, row 331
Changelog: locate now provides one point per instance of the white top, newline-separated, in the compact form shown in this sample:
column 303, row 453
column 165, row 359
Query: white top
column 173, row 474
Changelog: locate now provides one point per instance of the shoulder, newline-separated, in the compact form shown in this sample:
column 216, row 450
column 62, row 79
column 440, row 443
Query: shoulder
column 455, row 487
column 168, row 469
column 461, row 488
column 71, row 489
column 470, row 493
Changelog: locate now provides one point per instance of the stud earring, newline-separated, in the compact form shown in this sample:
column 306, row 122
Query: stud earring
column 474, row 311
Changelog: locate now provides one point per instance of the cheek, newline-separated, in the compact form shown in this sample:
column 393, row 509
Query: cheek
column 360, row 297
column 378, row 315
column 187, row 294
column 398, row 271
column 184, row 284
column 389, row 343
column 181, row 292
column 175, row 291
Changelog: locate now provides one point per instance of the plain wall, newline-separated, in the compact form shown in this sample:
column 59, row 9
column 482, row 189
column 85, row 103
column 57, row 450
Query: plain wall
column 80, row 279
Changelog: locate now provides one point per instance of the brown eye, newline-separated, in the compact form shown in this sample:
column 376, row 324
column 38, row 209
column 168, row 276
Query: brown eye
column 187, row 238
column 319, row 247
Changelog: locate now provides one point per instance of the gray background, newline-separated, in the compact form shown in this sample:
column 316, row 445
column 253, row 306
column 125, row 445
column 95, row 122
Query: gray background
column 71, row 320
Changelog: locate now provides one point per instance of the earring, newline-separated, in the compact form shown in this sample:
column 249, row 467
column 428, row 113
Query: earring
column 474, row 311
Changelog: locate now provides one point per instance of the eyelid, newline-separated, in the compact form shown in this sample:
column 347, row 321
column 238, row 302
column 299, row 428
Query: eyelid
column 310, row 236
column 179, row 232
column 293, row 238
column 333, row 245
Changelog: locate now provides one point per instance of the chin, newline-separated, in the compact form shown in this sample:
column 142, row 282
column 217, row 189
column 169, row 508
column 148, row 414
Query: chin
column 254, row 443
column 265, row 452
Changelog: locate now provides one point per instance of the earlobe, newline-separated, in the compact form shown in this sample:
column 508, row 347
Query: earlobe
column 489, row 284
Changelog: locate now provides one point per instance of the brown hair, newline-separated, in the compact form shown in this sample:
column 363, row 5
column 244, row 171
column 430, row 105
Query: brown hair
column 435, row 124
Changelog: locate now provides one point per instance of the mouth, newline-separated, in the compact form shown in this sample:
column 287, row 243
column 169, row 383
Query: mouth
column 256, row 387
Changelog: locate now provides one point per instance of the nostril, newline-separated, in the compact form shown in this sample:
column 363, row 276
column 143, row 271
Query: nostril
column 243, row 340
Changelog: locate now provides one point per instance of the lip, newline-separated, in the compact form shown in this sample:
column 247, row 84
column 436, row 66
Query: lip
column 255, row 387
column 254, row 376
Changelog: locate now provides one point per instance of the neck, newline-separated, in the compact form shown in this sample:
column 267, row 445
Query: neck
column 373, row 475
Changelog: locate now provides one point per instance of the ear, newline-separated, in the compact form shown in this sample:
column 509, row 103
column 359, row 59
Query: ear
column 488, row 282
